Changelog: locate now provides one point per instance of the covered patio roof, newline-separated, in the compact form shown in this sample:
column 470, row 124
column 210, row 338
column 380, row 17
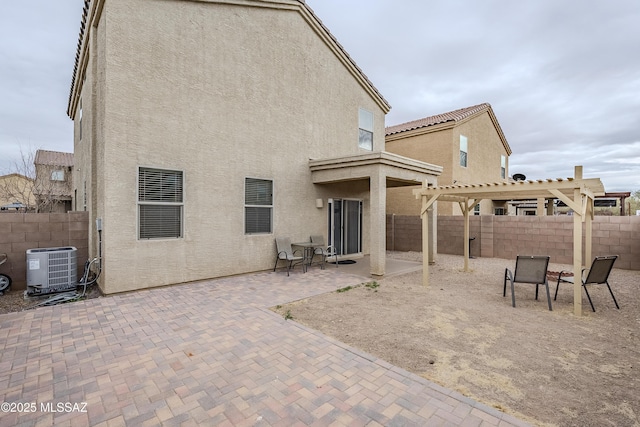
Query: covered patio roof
column 576, row 192
column 382, row 170
column 398, row 170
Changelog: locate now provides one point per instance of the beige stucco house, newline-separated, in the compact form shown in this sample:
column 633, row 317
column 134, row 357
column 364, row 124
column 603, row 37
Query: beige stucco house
column 205, row 129
column 16, row 193
column 469, row 145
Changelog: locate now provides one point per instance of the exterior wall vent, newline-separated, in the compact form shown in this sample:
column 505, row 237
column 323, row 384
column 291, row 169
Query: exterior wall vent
column 51, row 270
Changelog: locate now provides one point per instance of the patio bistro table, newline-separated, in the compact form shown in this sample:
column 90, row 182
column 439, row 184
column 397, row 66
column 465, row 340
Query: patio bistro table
column 308, row 251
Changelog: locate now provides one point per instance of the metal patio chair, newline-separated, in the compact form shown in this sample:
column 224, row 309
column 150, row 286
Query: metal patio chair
column 598, row 274
column 285, row 253
column 324, row 251
column 529, row 269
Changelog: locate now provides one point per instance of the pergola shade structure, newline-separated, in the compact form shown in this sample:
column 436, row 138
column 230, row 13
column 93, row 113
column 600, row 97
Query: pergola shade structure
column 576, row 192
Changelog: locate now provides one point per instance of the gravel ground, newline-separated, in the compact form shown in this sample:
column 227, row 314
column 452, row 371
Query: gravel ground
column 15, row 300
column 551, row 368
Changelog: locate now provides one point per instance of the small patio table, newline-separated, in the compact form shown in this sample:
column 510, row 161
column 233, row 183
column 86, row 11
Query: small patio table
column 308, row 249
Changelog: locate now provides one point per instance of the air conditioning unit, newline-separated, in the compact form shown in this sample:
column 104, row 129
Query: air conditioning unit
column 51, row 270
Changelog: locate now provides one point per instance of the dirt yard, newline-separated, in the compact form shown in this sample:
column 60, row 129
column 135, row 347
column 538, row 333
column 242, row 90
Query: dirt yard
column 548, row 368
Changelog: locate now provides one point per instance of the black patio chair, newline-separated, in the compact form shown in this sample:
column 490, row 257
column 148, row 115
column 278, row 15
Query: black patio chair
column 598, row 274
column 529, row 269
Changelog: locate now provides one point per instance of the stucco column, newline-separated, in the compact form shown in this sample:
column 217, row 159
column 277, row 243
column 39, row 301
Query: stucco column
column 378, row 231
column 550, row 207
column 433, row 233
column 540, row 210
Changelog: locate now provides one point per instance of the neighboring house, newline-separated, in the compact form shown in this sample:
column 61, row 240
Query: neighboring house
column 205, row 129
column 16, row 193
column 53, row 181
column 469, row 145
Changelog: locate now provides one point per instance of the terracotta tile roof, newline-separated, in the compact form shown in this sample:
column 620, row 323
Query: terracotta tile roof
column 83, row 23
column 451, row 116
column 53, row 158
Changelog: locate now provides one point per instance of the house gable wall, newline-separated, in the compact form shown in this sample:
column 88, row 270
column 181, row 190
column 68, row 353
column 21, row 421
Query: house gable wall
column 440, row 145
column 221, row 92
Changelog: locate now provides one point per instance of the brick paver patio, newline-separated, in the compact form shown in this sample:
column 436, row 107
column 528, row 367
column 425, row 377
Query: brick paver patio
column 209, row 354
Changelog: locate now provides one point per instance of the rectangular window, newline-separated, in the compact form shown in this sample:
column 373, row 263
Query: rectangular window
column 258, row 206
column 365, row 124
column 57, row 175
column 476, row 209
column 463, row 151
column 160, row 203
column 499, row 211
column 503, row 167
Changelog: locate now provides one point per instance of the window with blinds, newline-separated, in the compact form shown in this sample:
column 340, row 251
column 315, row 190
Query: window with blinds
column 160, row 203
column 258, row 206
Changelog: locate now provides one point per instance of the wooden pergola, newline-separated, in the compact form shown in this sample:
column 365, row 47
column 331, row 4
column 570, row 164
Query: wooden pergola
column 576, row 192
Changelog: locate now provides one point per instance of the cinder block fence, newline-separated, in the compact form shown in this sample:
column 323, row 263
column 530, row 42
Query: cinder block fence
column 22, row 231
column 509, row 236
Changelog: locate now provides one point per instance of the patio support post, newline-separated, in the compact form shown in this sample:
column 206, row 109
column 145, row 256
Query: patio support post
column 588, row 230
column 378, row 226
column 466, row 234
column 426, row 248
column 540, row 211
column 433, row 234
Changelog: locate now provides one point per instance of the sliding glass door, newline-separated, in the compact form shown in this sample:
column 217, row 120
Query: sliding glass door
column 345, row 225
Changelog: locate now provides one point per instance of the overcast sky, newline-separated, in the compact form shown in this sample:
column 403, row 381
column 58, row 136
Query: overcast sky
column 563, row 77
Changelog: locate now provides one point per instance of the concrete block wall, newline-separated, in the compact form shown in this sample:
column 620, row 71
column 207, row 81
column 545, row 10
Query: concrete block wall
column 22, row 231
column 509, row 236
column 404, row 233
column 451, row 235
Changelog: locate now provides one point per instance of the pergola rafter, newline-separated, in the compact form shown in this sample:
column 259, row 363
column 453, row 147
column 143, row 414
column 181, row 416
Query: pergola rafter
column 576, row 192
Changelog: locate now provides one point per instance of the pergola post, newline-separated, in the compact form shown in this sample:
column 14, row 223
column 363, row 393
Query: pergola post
column 577, row 245
column 577, row 256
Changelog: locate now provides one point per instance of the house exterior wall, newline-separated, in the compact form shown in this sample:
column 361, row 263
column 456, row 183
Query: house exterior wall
column 509, row 236
column 220, row 92
column 432, row 147
column 440, row 145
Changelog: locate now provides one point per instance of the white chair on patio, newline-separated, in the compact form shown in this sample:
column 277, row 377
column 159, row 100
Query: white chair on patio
column 324, row 251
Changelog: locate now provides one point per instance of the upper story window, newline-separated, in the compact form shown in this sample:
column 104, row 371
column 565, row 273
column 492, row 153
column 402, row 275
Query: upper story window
column 258, row 206
column 503, row 167
column 365, row 134
column 57, row 175
column 160, row 203
column 463, row 151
